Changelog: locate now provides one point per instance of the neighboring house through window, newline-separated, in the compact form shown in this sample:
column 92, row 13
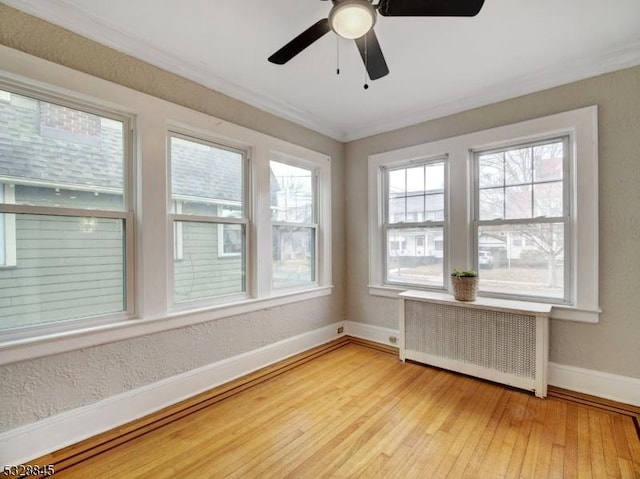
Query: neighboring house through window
column 65, row 220
column 206, row 246
column 520, row 195
column 294, row 225
column 210, row 219
column 518, row 202
column 414, row 211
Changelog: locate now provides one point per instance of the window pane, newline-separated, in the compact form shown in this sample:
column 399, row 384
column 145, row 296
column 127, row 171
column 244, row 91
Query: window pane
column 423, row 199
column 434, row 175
column 75, row 158
column 517, row 166
column 293, row 256
column 518, row 202
column 548, row 199
column 525, row 259
column 415, row 208
column 291, row 193
column 397, row 210
column 548, row 160
column 434, row 207
column 66, row 268
column 415, row 180
column 491, row 204
column 491, row 168
column 397, row 183
column 204, row 270
column 206, row 178
column 415, row 256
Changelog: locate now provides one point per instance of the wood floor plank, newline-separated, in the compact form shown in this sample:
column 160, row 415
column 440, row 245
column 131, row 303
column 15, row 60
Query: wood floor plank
column 360, row 412
column 584, row 444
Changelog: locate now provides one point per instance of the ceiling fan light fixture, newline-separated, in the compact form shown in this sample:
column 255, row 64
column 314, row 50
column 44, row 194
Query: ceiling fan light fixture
column 352, row 18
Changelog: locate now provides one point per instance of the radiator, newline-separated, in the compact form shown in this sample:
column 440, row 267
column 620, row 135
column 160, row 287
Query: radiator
column 499, row 340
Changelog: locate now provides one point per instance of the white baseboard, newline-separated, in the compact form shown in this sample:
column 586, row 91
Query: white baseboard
column 42, row 437
column 53, row 433
column 604, row 385
column 609, row 386
column 372, row 333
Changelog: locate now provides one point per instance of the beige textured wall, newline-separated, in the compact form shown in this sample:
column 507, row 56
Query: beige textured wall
column 42, row 387
column 39, row 388
column 611, row 346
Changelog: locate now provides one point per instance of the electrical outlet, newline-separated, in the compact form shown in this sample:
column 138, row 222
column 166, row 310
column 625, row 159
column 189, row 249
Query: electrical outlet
column 340, row 330
column 393, row 339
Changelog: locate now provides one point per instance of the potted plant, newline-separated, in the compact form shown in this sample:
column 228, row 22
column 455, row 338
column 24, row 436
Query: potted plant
column 465, row 284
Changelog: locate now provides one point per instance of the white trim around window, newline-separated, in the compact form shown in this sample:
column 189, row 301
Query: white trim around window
column 579, row 126
column 149, row 213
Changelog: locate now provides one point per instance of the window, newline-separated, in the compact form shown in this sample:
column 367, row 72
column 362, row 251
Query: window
column 519, row 203
column 202, row 241
column 521, row 195
column 209, row 219
column 293, row 220
column 414, row 223
column 65, row 222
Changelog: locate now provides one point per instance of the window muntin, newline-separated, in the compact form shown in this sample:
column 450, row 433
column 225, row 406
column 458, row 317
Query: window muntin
column 208, row 196
column 65, row 213
column 294, row 225
column 579, row 173
column 414, row 225
column 522, row 226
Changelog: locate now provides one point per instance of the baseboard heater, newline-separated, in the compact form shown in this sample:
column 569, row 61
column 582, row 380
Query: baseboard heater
column 499, row 340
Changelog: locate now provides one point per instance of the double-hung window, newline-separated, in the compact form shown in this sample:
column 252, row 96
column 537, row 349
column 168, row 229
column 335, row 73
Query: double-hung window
column 520, row 205
column 414, row 226
column 209, row 218
column 522, row 226
column 66, row 218
column 294, row 226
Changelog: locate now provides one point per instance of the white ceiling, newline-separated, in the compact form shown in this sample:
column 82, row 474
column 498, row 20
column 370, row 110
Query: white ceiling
column 438, row 66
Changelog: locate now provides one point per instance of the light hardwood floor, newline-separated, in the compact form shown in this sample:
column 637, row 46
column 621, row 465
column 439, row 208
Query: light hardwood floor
column 357, row 412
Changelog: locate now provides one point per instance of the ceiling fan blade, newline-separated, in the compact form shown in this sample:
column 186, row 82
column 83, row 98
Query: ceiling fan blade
column 302, row 41
column 372, row 56
column 429, row 8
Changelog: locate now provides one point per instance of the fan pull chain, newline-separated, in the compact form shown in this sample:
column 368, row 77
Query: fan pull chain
column 337, row 55
column 366, row 62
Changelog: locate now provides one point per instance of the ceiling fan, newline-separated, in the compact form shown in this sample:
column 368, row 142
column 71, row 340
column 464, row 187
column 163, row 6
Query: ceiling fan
column 354, row 19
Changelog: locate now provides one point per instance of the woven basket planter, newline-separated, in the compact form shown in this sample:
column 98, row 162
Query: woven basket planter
column 465, row 288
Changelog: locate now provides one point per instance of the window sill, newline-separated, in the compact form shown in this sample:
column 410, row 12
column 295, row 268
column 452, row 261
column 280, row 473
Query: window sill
column 567, row 313
column 46, row 345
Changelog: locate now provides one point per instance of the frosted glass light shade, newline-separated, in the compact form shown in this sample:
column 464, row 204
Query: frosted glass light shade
column 352, row 18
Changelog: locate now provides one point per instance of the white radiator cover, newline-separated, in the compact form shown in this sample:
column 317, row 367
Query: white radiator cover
column 498, row 340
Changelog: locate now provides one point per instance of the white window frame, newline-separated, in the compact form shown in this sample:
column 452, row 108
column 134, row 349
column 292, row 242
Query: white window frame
column 126, row 215
column 581, row 127
column 177, row 218
column 387, row 225
column 153, row 240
